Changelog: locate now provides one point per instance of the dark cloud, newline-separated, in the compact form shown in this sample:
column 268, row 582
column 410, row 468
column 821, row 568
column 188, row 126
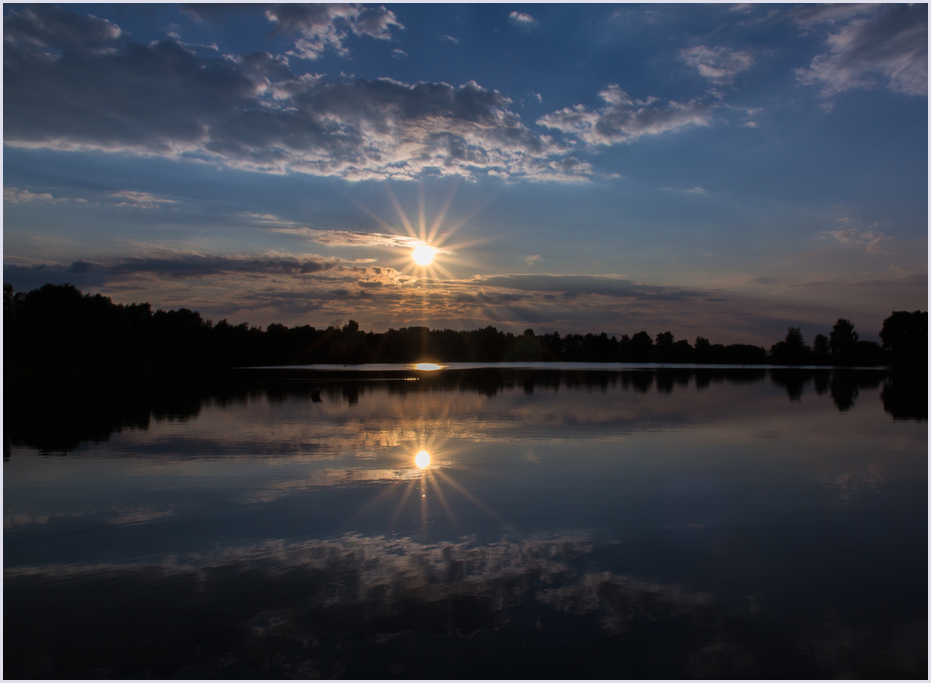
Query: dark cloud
column 485, row 298
column 574, row 285
column 80, row 267
column 185, row 266
column 49, row 27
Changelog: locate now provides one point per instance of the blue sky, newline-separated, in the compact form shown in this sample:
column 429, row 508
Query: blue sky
column 715, row 170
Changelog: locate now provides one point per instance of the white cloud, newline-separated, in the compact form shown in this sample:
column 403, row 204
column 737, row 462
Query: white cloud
column 522, row 20
column 326, row 26
column 871, row 240
column 719, row 64
column 14, row 195
column 449, row 39
column 254, row 112
column 141, row 200
column 623, row 119
column 889, row 47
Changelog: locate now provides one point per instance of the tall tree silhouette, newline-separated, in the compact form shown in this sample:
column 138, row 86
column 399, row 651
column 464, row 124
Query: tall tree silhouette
column 905, row 335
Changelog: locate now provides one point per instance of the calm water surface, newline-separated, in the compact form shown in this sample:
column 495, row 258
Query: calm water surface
column 484, row 523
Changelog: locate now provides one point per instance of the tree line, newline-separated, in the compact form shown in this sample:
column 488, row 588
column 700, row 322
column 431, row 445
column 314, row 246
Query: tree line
column 58, row 331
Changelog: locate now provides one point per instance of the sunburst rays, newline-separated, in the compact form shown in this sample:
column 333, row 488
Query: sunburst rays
column 429, row 252
column 427, row 468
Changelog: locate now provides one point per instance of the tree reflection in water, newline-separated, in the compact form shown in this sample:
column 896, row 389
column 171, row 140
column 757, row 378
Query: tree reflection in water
column 666, row 523
column 57, row 422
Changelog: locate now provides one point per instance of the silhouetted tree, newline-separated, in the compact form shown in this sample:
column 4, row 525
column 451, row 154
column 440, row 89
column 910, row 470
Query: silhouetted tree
column 641, row 348
column 792, row 350
column 662, row 349
column 820, row 348
column 905, row 335
column 842, row 341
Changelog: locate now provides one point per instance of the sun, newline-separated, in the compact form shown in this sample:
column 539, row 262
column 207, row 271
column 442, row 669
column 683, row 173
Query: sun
column 423, row 254
column 422, row 460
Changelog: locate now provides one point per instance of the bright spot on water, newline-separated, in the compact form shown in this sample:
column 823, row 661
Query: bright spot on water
column 422, row 460
column 423, row 254
column 427, row 366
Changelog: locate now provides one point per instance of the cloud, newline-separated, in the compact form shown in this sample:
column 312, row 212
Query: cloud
column 141, row 200
column 887, row 48
column 871, row 240
column 44, row 27
column 346, row 238
column 575, row 285
column 93, row 88
column 397, row 53
column 719, row 65
column 326, row 26
column 807, row 16
column 252, row 112
column 449, row 39
column 623, row 119
column 691, row 190
column 14, row 195
column 532, row 259
column 522, row 20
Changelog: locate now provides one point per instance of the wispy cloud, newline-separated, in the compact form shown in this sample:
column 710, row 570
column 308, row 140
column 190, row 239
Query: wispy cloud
column 141, row 200
column 871, row 240
column 691, row 190
column 889, row 47
column 624, row 119
column 449, row 39
column 718, row 64
column 345, row 238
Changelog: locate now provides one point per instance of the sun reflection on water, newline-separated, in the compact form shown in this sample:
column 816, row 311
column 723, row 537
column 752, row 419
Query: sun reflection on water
column 428, row 366
column 426, row 471
column 422, row 460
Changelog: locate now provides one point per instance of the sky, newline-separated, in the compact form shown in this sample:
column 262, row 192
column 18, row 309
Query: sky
column 717, row 170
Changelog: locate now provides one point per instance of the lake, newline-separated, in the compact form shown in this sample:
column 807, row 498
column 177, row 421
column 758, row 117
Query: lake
column 472, row 522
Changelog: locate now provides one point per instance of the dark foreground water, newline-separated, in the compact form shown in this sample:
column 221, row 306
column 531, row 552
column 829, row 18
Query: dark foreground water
column 648, row 523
